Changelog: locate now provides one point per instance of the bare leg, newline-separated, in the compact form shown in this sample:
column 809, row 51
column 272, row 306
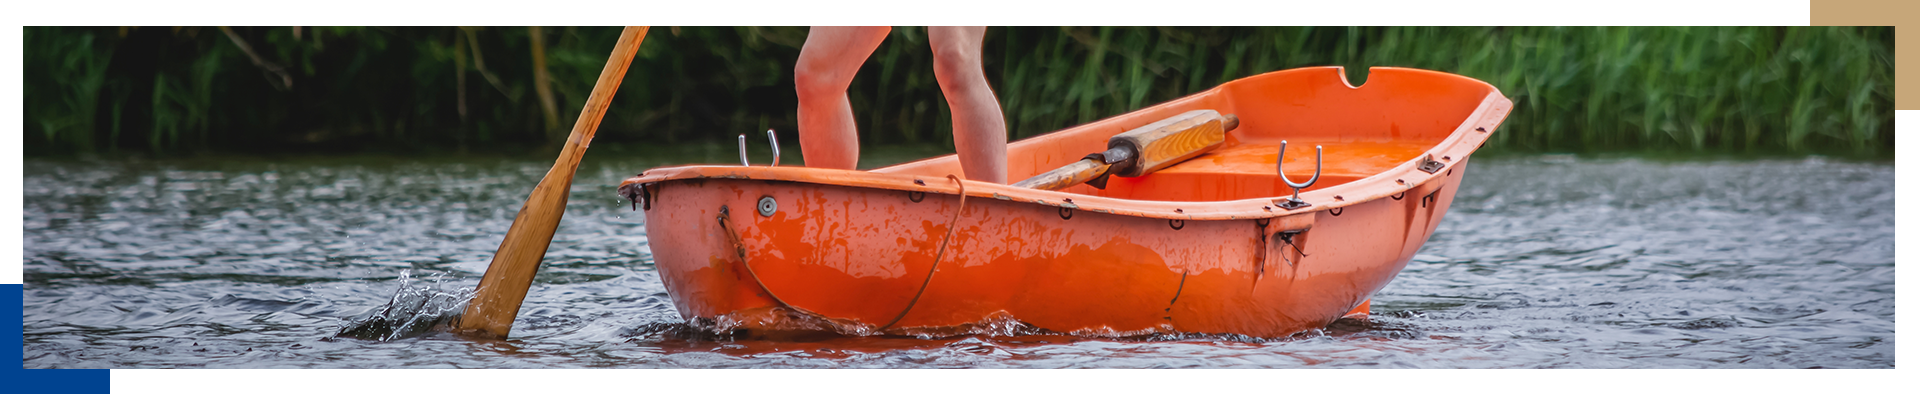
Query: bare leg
column 979, row 129
column 828, row 61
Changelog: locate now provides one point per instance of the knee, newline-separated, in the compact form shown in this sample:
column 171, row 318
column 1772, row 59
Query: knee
column 956, row 69
column 814, row 79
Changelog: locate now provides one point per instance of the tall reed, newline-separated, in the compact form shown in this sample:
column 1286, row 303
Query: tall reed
column 171, row 90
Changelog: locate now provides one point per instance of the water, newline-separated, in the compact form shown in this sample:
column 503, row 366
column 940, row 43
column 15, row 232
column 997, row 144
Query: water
column 1543, row 262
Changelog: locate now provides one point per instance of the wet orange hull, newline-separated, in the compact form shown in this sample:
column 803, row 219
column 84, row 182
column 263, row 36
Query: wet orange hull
column 1198, row 247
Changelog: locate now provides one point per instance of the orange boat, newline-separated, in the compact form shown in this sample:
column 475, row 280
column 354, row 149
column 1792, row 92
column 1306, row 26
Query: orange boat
column 1213, row 244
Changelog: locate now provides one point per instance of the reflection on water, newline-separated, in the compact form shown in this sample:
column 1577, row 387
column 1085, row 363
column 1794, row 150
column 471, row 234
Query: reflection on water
column 1542, row 262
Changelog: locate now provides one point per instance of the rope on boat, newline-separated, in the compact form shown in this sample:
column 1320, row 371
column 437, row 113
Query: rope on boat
column 740, row 250
column 952, row 222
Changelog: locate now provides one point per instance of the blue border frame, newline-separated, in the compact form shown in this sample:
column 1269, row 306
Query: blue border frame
column 1129, row 12
column 10, row 100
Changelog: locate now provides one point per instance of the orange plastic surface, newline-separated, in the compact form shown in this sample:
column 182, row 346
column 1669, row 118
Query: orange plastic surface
column 1196, row 247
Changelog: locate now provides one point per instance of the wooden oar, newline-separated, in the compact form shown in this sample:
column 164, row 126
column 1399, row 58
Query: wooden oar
column 1142, row 150
column 497, row 300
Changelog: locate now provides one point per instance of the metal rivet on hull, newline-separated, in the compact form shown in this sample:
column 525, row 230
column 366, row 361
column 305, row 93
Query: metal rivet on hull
column 768, row 206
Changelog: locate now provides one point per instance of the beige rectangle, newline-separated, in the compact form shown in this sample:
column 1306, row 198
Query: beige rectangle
column 1902, row 15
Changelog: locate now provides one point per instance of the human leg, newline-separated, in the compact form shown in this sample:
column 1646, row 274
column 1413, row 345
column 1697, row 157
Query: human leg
column 828, row 62
column 979, row 128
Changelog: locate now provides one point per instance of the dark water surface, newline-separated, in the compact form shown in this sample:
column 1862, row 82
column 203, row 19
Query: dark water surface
column 1544, row 261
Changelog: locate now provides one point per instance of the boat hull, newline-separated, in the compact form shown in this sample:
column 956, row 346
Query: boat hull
column 862, row 255
column 870, row 252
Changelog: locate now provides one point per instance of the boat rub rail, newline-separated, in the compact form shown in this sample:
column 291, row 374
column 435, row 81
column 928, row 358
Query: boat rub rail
column 1406, row 176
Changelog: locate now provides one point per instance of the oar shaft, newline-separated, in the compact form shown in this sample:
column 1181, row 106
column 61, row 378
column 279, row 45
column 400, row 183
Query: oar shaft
column 1066, row 176
column 497, row 300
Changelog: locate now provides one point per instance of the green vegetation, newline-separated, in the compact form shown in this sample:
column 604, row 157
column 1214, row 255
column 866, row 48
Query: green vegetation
column 161, row 90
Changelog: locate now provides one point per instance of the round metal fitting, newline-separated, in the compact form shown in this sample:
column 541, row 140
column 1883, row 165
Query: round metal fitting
column 767, row 206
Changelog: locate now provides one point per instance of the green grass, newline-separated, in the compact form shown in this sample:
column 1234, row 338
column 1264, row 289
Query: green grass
column 1576, row 89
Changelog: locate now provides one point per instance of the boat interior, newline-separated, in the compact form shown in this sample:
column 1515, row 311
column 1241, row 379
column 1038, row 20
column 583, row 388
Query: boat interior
column 1397, row 116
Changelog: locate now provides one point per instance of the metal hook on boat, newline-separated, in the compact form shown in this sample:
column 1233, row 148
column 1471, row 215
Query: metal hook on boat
column 646, row 198
column 1288, row 238
column 1279, row 166
column 1430, row 197
column 638, row 194
column 1429, row 165
column 743, row 151
column 775, row 142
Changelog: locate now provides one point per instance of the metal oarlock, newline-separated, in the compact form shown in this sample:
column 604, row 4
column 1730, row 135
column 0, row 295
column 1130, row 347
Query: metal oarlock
column 743, row 151
column 771, row 140
column 775, row 142
column 1295, row 202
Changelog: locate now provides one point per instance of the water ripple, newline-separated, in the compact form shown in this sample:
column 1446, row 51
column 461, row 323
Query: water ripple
column 1543, row 262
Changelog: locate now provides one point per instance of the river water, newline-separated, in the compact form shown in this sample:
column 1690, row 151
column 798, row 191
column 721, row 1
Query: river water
column 1543, row 262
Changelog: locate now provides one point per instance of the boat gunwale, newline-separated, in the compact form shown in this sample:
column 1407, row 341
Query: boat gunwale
column 1466, row 138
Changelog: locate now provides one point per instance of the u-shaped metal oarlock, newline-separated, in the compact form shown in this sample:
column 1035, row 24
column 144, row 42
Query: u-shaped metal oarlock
column 775, row 142
column 771, row 140
column 743, row 151
column 1279, row 166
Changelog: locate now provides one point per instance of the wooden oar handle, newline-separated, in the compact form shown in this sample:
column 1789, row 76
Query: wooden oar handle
column 1143, row 150
column 1172, row 140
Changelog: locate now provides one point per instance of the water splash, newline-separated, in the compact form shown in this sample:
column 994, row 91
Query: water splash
column 415, row 309
column 781, row 322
